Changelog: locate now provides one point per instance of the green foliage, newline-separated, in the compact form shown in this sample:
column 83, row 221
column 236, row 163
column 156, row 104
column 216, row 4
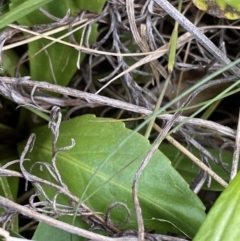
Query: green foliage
column 222, row 222
column 46, row 232
column 189, row 171
column 22, row 8
column 106, row 152
column 163, row 193
column 9, row 185
column 10, row 62
column 58, row 63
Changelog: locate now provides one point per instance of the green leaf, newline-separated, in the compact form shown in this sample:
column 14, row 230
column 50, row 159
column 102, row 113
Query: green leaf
column 58, row 63
column 163, row 193
column 189, row 171
column 23, row 8
column 46, row 232
column 9, row 185
column 10, row 61
column 94, row 6
column 222, row 222
column 229, row 9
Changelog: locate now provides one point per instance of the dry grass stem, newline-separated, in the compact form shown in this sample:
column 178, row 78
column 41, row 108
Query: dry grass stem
column 198, row 162
column 102, row 100
column 236, row 153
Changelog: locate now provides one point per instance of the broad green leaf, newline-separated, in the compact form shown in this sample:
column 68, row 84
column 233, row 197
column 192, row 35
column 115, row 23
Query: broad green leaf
column 46, row 232
column 189, row 171
column 222, row 222
column 229, row 9
column 24, row 8
column 58, row 62
column 163, row 193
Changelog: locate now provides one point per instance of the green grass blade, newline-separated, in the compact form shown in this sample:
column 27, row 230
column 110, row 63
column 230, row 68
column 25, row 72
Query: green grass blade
column 20, row 11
